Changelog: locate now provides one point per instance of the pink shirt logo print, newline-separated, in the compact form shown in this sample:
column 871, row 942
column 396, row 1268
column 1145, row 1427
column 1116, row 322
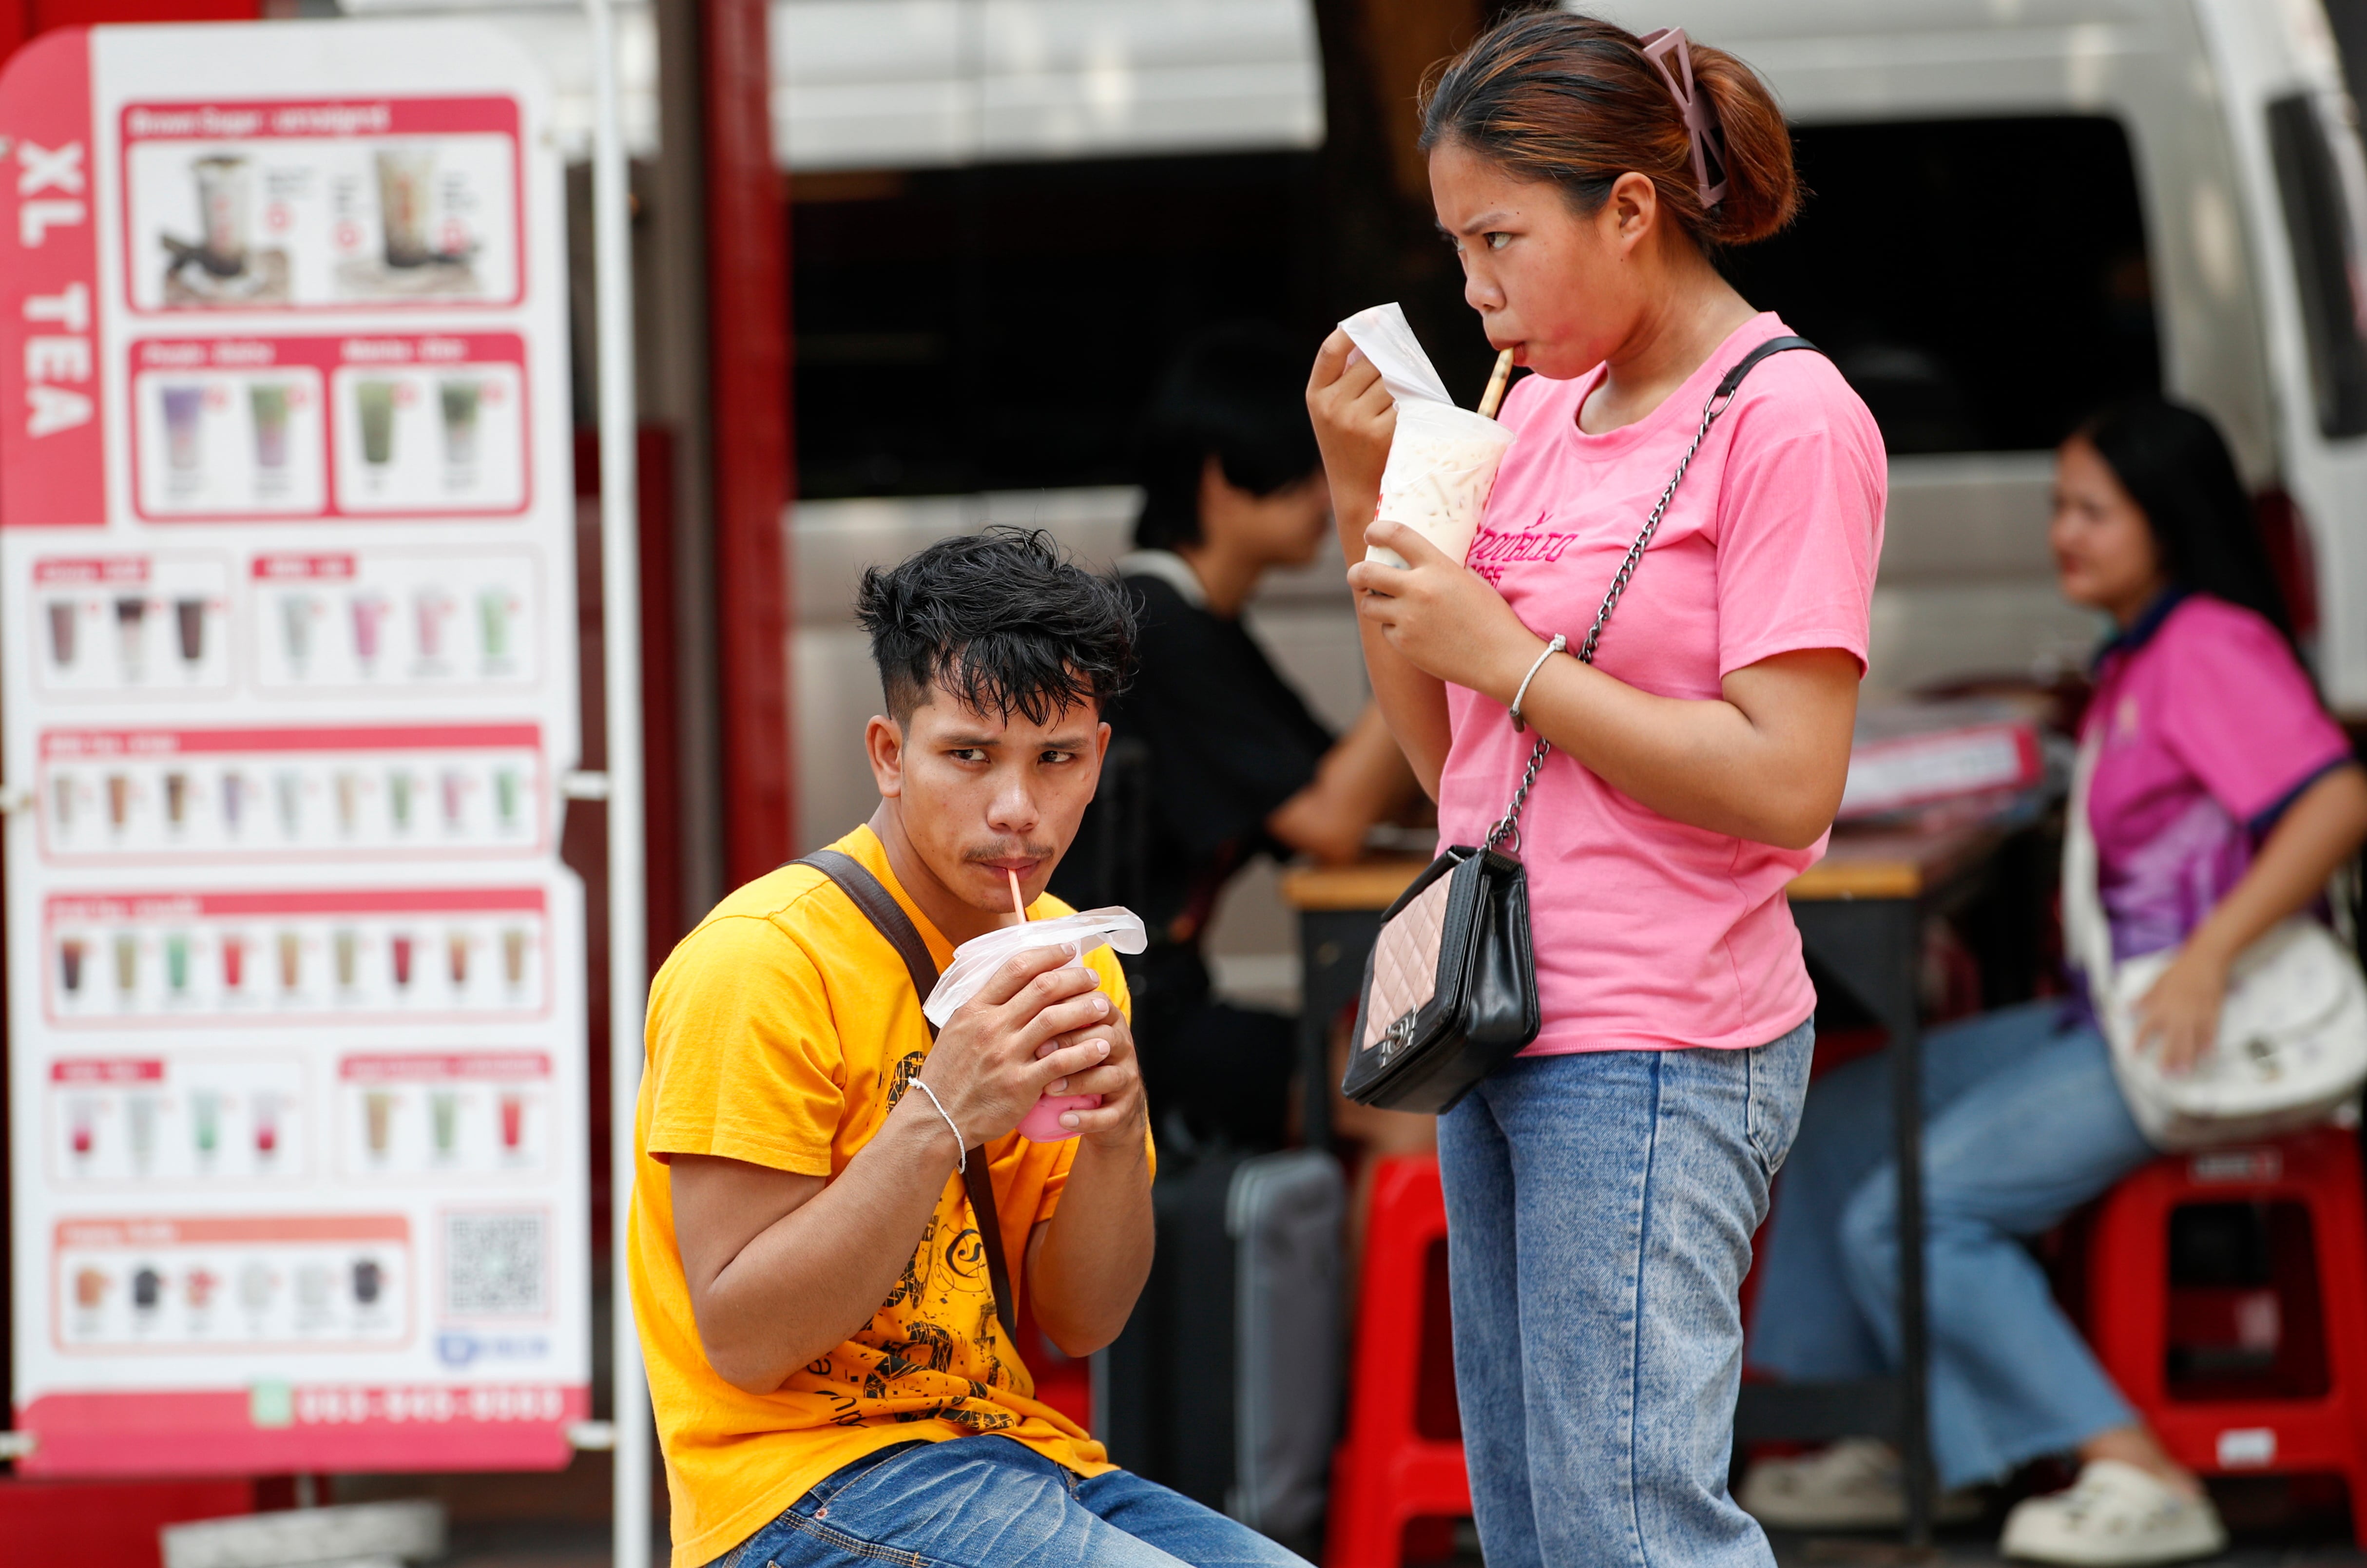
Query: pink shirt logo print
column 1494, row 550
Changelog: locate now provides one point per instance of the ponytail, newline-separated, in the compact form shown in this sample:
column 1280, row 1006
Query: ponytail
column 1763, row 191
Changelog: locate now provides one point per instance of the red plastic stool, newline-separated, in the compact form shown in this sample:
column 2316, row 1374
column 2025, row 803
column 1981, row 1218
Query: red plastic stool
column 2322, row 1429
column 1386, row 1473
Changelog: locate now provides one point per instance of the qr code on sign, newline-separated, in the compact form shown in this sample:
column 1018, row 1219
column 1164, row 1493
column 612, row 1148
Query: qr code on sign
column 495, row 1264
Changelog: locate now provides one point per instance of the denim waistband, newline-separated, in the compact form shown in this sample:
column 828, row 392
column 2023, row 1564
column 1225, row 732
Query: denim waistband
column 820, row 1493
column 847, row 1474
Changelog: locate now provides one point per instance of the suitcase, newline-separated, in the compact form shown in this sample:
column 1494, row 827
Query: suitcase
column 1226, row 1383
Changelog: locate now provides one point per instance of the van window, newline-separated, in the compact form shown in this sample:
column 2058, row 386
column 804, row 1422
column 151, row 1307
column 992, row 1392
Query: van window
column 2319, row 178
column 998, row 326
column 1974, row 309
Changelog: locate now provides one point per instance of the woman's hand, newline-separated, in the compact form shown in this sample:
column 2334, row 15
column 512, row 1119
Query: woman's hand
column 2180, row 1013
column 1441, row 616
column 1354, row 420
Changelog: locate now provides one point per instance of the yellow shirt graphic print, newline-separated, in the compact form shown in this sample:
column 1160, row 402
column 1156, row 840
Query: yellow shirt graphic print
column 934, row 1350
column 781, row 1033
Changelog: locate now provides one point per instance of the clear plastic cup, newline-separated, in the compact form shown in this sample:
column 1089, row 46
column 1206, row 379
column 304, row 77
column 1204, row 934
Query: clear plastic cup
column 184, row 412
column 1441, row 465
column 404, row 178
column 374, row 401
column 65, row 615
column 458, row 402
column 267, row 404
column 223, row 189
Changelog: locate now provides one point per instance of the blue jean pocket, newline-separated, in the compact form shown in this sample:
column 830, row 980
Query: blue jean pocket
column 755, row 1551
column 1778, row 1074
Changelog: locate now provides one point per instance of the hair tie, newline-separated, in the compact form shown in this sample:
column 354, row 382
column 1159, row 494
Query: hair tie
column 1658, row 46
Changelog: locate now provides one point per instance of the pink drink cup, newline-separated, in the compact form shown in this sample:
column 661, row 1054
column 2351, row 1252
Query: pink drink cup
column 1042, row 1123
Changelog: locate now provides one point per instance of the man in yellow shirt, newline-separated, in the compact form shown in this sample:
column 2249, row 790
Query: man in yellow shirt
column 820, row 1229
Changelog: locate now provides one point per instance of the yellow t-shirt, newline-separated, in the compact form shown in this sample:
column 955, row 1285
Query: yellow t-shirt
column 781, row 1033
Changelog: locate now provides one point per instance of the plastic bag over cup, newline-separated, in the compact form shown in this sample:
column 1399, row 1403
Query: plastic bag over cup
column 1442, row 460
column 976, row 959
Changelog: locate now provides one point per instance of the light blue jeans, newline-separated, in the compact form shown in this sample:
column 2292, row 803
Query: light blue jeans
column 985, row 1502
column 1600, row 1209
column 2023, row 1123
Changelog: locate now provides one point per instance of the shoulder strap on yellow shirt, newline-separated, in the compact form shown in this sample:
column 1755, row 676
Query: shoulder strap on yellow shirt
column 879, row 907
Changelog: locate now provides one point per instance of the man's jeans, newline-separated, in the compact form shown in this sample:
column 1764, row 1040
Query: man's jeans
column 2022, row 1122
column 985, row 1502
column 1600, row 1209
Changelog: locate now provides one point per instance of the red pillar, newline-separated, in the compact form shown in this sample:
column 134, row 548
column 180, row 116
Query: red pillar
column 748, row 346
column 16, row 25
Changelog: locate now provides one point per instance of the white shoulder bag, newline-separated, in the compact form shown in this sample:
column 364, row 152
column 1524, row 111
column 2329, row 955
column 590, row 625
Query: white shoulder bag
column 2292, row 1050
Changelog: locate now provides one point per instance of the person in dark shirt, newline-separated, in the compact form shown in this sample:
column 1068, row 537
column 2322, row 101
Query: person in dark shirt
column 1215, row 758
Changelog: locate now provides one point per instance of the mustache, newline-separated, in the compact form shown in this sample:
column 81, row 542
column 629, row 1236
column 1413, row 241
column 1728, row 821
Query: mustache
column 1006, row 851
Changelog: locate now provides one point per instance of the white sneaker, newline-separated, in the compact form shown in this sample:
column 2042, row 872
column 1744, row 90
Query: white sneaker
column 1856, row 1484
column 2114, row 1514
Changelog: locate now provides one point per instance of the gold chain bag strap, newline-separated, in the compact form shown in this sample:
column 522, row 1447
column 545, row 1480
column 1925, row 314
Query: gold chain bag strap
column 1450, row 990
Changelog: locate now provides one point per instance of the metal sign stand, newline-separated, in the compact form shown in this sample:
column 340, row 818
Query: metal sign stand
column 621, row 612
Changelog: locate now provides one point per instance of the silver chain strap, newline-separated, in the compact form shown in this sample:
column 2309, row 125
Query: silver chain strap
column 1509, row 825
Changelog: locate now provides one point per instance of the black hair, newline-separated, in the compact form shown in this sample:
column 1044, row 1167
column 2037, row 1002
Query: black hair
column 1237, row 393
column 2176, row 467
column 1005, row 618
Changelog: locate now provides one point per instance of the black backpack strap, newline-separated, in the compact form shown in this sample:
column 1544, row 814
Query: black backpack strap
column 879, row 907
column 1750, row 362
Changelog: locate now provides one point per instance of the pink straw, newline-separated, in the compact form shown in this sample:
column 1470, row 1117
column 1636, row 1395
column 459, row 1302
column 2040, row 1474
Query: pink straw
column 1018, row 904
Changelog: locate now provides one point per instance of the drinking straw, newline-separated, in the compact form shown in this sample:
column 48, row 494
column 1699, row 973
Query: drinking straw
column 1018, row 904
column 1495, row 383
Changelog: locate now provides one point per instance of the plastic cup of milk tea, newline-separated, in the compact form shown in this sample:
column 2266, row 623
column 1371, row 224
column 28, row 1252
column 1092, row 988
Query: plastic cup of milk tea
column 404, row 180
column 222, row 195
column 1441, row 465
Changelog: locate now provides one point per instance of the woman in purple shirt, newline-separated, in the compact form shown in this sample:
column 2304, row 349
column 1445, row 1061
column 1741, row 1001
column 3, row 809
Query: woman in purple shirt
column 2223, row 799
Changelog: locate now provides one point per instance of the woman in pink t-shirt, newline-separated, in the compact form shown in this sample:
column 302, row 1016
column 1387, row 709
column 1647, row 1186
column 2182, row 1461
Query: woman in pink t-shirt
column 1602, row 1191
column 2223, row 795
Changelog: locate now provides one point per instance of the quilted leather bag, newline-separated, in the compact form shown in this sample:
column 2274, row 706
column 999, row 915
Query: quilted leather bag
column 1450, row 989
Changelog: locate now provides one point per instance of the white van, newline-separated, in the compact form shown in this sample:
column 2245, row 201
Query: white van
column 1992, row 151
column 2020, row 209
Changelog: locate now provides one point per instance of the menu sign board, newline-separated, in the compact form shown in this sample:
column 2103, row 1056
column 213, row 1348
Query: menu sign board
column 295, row 978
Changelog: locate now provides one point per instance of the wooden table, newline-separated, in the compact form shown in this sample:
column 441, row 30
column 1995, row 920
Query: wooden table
column 1861, row 911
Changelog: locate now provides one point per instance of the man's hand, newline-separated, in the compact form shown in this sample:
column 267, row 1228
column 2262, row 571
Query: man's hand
column 1041, row 1019
column 1117, row 1124
column 1086, row 1265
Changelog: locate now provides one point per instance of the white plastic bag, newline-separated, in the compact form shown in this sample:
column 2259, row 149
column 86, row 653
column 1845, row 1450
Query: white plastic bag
column 976, row 959
column 1387, row 340
column 979, row 957
column 1443, row 461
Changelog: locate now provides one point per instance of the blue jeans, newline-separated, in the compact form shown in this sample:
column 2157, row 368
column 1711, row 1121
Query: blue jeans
column 1600, row 1209
column 985, row 1502
column 2023, row 1123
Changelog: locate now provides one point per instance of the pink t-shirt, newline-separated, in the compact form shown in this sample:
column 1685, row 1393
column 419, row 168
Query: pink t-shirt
column 2206, row 729
column 1652, row 934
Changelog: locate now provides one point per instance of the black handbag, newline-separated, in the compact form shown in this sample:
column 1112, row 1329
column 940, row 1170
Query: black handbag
column 1449, row 991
